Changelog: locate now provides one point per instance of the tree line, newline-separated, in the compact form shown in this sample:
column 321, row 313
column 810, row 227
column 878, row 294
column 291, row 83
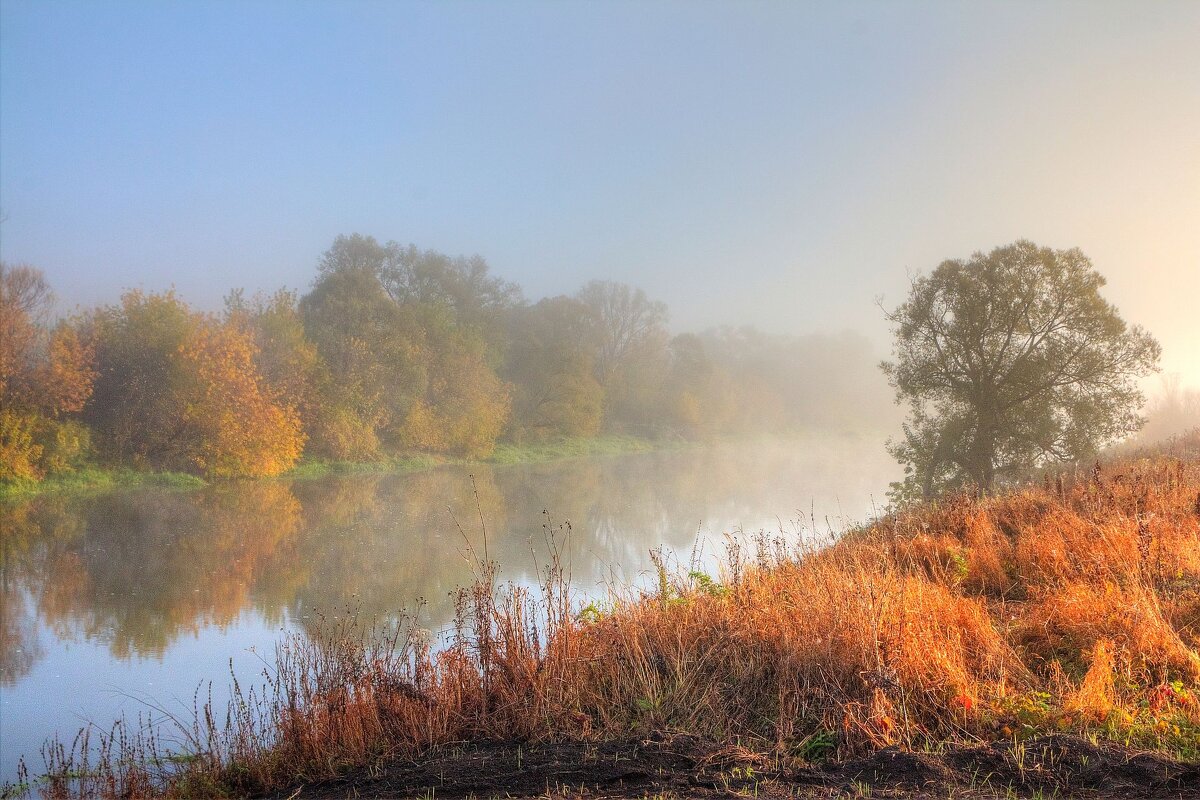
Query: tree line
column 393, row 350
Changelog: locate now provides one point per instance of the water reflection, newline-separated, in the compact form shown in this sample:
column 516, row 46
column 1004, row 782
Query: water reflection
column 154, row 577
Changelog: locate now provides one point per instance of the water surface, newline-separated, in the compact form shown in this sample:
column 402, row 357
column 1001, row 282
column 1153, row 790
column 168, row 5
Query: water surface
column 124, row 603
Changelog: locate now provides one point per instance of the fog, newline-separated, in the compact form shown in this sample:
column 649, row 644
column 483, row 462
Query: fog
column 290, row 291
column 776, row 165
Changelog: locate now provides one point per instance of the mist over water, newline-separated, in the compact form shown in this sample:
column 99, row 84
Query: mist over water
column 245, row 243
column 143, row 595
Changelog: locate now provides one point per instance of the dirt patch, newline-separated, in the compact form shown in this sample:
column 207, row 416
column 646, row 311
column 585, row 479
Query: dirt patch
column 1043, row 767
column 683, row 766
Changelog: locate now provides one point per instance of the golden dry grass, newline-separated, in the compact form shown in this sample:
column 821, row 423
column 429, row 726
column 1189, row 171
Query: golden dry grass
column 1072, row 605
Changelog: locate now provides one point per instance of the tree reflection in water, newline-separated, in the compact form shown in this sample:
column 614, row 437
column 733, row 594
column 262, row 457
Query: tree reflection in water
column 138, row 569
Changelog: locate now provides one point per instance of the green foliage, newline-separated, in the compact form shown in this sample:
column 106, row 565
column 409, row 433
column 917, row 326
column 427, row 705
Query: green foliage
column 292, row 370
column 401, row 335
column 477, row 300
column 551, row 366
column 66, row 445
column 337, row 432
column 591, row 613
column 93, row 480
column 818, row 746
column 369, row 346
column 136, row 405
column 704, row 583
column 572, row 447
column 1008, row 361
column 464, row 406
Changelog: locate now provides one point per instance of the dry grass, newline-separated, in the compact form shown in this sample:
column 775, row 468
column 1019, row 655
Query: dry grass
column 1074, row 605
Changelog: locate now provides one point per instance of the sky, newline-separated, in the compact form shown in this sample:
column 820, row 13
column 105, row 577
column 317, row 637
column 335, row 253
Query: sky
column 780, row 164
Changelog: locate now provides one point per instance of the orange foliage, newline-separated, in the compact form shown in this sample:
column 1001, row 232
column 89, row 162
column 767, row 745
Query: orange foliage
column 238, row 430
column 43, row 376
column 67, row 375
column 181, row 390
column 1096, row 694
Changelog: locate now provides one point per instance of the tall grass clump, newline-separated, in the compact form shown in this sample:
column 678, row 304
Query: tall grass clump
column 1069, row 605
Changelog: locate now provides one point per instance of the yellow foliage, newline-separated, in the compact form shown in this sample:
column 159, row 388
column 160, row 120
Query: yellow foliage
column 338, row 432
column 238, row 430
column 465, row 406
column 19, row 451
column 43, row 375
column 181, row 390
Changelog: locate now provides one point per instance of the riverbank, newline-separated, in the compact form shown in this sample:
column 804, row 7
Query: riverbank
column 94, row 479
column 504, row 454
column 1038, row 642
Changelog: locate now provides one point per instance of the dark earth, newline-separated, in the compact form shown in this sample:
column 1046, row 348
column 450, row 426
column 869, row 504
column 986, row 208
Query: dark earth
column 683, row 766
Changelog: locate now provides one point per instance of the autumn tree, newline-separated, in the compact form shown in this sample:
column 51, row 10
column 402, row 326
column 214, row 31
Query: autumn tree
column 464, row 406
column 140, row 382
column 1010, row 360
column 46, row 375
column 232, row 426
column 293, row 373
column 177, row 389
column 369, row 348
column 25, row 298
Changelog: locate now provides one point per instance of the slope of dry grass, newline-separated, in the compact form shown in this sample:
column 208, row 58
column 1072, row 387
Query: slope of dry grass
column 1069, row 606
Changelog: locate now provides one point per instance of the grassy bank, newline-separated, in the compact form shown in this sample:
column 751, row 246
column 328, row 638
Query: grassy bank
column 94, row 479
column 611, row 444
column 1071, row 607
column 91, row 480
column 504, row 454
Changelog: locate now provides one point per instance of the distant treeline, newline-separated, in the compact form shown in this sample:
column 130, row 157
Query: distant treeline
column 394, row 350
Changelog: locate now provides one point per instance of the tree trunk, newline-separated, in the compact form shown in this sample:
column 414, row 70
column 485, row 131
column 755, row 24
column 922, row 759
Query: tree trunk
column 983, row 455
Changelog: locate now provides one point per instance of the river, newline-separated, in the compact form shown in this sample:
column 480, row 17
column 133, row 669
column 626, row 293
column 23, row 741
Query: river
column 125, row 603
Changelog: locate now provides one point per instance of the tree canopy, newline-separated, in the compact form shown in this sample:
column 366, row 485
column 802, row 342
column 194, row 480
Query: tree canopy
column 45, row 374
column 177, row 389
column 1011, row 360
column 392, row 351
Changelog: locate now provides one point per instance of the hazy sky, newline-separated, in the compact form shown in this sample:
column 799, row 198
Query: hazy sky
column 780, row 164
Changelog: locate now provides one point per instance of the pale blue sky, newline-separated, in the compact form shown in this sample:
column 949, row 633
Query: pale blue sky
column 774, row 163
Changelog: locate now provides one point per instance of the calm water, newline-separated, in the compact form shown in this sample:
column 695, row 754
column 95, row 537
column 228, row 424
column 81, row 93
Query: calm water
column 135, row 597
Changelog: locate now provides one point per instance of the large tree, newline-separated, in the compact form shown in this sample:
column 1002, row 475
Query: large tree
column 403, row 335
column 550, row 364
column 628, row 334
column 1008, row 361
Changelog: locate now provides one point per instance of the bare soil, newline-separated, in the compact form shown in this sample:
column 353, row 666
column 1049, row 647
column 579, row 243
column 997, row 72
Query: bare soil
column 683, row 766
